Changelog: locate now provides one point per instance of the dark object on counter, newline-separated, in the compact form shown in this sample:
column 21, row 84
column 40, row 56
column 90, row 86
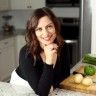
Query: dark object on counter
column 7, row 28
column 78, row 73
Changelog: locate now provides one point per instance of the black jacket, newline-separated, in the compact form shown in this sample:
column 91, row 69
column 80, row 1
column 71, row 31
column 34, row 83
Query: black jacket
column 41, row 76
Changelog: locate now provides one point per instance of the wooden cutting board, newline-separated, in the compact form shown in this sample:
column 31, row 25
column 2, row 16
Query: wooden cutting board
column 71, row 85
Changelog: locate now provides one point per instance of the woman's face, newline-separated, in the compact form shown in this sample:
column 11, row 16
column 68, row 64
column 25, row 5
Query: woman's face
column 45, row 31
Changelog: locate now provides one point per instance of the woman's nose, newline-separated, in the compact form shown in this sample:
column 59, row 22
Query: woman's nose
column 45, row 32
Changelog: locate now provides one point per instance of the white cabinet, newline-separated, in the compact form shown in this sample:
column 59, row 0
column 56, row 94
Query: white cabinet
column 21, row 4
column 4, row 5
column 7, row 58
column 26, row 4
column 19, row 43
column 38, row 4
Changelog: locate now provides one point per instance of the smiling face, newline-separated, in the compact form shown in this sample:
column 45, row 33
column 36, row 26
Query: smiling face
column 45, row 31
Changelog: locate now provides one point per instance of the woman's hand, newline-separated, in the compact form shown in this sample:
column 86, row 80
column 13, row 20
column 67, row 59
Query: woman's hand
column 51, row 53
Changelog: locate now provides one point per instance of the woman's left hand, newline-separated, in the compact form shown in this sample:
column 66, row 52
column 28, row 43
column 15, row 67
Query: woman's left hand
column 51, row 53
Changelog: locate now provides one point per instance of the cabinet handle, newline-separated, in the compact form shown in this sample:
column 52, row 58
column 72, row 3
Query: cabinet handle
column 29, row 6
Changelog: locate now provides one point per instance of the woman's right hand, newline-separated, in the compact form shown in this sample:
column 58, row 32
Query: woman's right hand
column 51, row 53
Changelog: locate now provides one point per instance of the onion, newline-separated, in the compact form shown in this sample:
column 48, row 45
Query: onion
column 87, row 81
column 78, row 78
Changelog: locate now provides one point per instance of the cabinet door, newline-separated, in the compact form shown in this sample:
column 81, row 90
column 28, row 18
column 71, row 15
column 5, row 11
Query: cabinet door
column 7, row 58
column 37, row 4
column 4, row 4
column 20, row 4
column 27, row 4
column 19, row 43
column 7, row 63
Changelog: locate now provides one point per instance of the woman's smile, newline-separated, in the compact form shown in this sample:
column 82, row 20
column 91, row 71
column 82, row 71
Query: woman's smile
column 47, row 38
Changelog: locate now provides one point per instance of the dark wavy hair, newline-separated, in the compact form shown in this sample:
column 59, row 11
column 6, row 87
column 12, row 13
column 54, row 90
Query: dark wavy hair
column 31, row 39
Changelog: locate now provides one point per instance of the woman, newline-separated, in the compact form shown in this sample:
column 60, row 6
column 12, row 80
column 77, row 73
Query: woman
column 44, row 60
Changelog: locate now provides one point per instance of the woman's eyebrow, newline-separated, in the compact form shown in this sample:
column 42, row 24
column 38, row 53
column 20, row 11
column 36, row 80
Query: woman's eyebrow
column 45, row 26
column 37, row 28
column 49, row 24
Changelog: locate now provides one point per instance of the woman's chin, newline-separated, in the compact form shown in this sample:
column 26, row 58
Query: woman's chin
column 47, row 43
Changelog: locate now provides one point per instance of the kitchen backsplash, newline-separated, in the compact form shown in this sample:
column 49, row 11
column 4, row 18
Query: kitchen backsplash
column 19, row 17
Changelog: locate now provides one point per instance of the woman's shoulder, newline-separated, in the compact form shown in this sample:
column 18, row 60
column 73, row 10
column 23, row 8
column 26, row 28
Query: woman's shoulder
column 24, row 55
column 23, row 48
column 64, row 46
column 23, row 51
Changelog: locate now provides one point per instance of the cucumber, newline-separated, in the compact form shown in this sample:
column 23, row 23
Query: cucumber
column 88, row 58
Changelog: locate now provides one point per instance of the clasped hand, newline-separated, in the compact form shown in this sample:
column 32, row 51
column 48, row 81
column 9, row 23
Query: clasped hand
column 51, row 53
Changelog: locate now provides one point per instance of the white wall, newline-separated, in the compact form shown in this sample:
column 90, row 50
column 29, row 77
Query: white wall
column 20, row 16
column 93, row 41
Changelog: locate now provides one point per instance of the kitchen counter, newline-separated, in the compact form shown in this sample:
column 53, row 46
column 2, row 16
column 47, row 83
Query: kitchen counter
column 18, row 32
column 6, row 89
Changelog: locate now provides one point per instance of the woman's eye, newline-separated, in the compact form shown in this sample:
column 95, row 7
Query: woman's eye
column 50, row 26
column 39, row 29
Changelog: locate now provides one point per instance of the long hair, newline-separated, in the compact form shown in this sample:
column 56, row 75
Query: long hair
column 31, row 39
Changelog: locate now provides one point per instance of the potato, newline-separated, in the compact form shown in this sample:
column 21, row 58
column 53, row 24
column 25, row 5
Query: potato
column 87, row 81
column 78, row 78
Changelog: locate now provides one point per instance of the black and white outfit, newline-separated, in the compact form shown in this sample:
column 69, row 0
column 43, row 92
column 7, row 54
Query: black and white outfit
column 41, row 76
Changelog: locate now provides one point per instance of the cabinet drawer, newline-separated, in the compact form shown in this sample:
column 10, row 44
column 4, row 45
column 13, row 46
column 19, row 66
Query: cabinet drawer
column 6, row 43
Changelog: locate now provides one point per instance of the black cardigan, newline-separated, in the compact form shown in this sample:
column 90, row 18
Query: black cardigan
column 42, row 76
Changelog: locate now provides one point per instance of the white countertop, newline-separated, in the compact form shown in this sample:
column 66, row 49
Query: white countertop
column 7, row 89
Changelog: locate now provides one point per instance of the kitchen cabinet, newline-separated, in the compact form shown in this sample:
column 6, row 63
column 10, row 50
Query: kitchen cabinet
column 19, row 43
column 7, row 59
column 4, row 5
column 38, row 4
column 21, row 4
column 26, row 4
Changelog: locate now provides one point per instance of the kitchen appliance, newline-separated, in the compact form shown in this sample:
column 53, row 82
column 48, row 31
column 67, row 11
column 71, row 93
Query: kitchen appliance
column 70, row 33
column 85, row 27
column 62, row 3
column 69, row 27
column 7, row 28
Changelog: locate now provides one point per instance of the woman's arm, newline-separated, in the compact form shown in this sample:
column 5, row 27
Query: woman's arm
column 62, row 70
column 39, row 80
column 65, row 55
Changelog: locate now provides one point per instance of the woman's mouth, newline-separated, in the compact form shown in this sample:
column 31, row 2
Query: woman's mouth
column 47, row 38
